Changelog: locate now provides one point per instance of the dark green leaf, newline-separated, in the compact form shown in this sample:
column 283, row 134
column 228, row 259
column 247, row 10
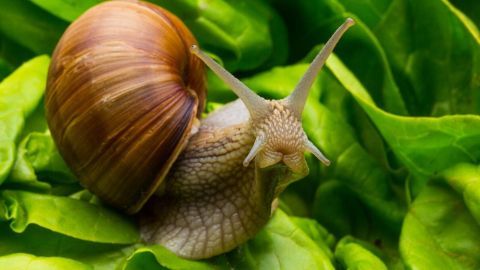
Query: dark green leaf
column 12, row 54
column 68, row 10
column 470, row 8
column 312, row 22
column 434, row 54
column 425, row 145
column 30, row 26
column 245, row 34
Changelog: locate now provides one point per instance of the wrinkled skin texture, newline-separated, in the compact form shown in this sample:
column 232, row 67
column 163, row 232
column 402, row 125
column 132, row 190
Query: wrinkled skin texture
column 212, row 203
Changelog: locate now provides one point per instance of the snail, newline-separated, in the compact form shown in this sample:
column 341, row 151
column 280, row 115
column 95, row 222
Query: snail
column 125, row 92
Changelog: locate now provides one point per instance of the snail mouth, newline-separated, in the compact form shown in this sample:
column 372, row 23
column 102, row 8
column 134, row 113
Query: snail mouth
column 295, row 162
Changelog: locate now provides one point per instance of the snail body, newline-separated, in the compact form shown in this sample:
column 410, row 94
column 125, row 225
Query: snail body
column 124, row 95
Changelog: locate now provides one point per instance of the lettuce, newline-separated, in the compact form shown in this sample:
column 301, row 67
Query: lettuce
column 396, row 109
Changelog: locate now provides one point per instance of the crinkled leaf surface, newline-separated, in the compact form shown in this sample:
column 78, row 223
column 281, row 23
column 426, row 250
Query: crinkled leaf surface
column 20, row 94
column 317, row 233
column 280, row 245
column 38, row 156
column 352, row 254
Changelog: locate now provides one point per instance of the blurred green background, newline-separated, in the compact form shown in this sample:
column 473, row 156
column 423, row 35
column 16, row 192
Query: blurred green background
column 396, row 110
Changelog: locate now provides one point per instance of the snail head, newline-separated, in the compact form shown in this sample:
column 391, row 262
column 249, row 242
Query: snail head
column 277, row 126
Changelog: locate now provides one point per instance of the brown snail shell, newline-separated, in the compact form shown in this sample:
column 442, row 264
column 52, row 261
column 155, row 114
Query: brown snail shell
column 122, row 94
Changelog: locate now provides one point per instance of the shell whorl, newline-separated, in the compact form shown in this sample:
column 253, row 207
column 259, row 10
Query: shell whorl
column 123, row 91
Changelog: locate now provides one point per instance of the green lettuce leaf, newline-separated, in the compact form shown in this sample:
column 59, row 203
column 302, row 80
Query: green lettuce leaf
column 316, row 20
column 20, row 94
column 470, row 8
column 37, row 157
column 425, row 145
column 11, row 55
column 245, row 34
column 5, row 68
column 67, row 10
column 439, row 232
column 30, row 26
column 67, row 216
column 317, row 233
column 465, row 179
column 343, row 213
column 46, row 243
column 21, row 261
column 434, row 54
column 353, row 254
column 281, row 245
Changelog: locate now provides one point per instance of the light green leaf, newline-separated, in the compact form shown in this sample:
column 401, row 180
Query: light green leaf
column 71, row 217
column 465, row 179
column 439, row 232
column 280, row 245
column 20, row 94
column 11, row 124
column 317, row 233
column 38, row 157
column 22, row 261
column 355, row 255
column 24, row 88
